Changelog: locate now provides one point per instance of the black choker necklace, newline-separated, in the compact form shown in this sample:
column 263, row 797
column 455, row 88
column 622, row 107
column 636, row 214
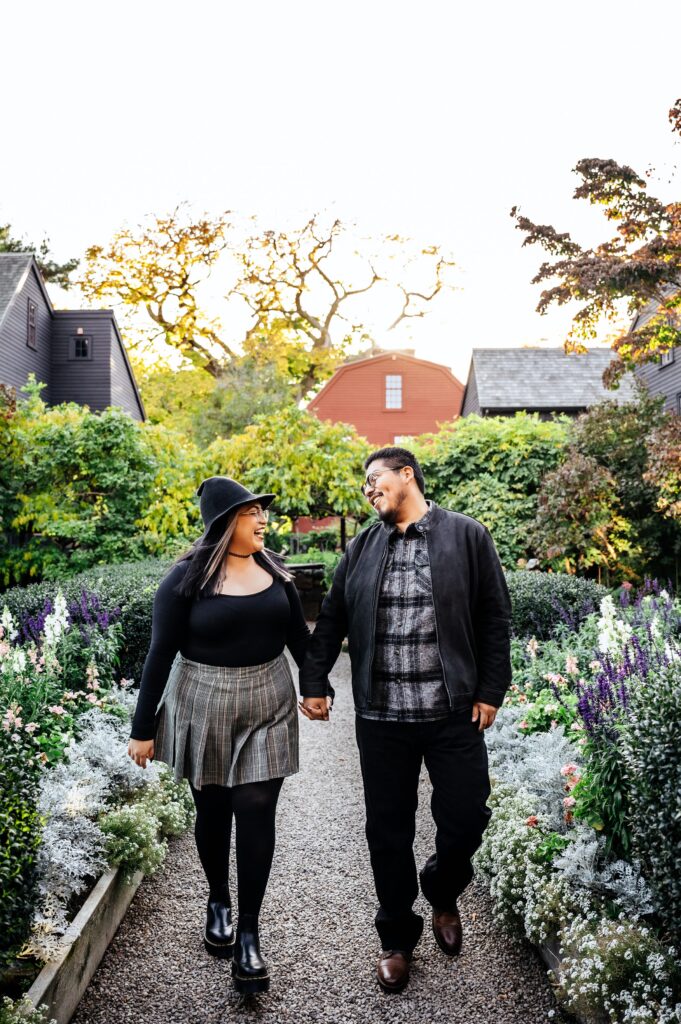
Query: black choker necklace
column 234, row 555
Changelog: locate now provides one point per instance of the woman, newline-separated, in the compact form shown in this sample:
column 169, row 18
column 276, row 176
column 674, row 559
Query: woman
column 226, row 717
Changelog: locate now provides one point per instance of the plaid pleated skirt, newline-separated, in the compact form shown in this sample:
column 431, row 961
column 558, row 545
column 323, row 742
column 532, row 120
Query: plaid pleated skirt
column 217, row 725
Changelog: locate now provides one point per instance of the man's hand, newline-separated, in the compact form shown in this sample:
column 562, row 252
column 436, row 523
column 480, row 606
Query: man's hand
column 486, row 713
column 316, row 708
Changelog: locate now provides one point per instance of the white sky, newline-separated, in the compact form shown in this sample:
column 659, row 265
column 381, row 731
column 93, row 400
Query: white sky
column 430, row 119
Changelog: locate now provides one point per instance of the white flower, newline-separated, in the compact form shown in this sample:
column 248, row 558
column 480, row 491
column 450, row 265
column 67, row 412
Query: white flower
column 57, row 622
column 18, row 661
column 613, row 633
column 8, row 628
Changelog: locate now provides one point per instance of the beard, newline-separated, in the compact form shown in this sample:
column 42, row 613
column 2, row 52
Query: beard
column 391, row 515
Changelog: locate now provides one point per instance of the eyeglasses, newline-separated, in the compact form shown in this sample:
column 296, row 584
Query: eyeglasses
column 260, row 513
column 370, row 481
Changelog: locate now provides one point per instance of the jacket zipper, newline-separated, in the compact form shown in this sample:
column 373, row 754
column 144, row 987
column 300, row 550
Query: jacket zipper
column 437, row 632
column 379, row 577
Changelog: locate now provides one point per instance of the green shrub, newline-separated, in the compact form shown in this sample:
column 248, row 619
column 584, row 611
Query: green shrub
column 329, row 559
column 78, row 484
column 515, row 450
column 504, row 511
column 327, row 539
column 20, row 830
column 542, row 601
column 133, row 840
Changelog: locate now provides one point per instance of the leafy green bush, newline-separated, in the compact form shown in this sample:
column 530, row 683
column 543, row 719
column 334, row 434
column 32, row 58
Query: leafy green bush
column 543, row 601
column 579, row 524
column 504, row 511
column 327, row 539
column 20, row 828
column 78, row 483
column 515, row 450
column 329, row 559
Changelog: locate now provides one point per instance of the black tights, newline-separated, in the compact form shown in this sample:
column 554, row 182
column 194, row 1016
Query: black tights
column 254, row 806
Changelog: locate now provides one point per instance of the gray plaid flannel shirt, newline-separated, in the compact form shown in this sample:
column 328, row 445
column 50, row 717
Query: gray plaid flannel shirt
column 407, row 682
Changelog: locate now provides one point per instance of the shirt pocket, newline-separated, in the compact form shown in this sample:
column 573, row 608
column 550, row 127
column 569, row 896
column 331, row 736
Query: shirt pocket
column 422, row 577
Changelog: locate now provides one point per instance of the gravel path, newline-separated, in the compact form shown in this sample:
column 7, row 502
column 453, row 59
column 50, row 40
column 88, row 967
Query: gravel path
column 316, row 927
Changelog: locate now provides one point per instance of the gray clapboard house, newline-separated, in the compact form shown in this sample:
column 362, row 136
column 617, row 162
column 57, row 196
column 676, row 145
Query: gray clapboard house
column 547, row 381
column 78, row 354
column 662, row 377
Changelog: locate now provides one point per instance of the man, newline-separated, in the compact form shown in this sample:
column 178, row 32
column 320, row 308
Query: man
column 422, row 597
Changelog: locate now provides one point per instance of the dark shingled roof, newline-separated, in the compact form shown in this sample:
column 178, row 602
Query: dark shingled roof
column 13, row 266
column 544, row 378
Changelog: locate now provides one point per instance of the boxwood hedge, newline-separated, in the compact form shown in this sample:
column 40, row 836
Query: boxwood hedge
column 541, row 601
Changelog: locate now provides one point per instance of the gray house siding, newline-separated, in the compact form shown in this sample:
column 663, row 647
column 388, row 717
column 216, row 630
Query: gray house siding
column 470, row 402
column 664, row 380
column 17, row 358
column 86, row 381
column 123, row 392
column 101, row 379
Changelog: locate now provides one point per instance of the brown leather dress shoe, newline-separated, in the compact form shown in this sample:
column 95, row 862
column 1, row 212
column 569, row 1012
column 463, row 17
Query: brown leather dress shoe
column 392, row 969
column 447, row 931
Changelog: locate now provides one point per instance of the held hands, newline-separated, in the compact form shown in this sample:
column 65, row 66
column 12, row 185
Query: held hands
column 486, row 713
column 316, row 708
column 141, row 751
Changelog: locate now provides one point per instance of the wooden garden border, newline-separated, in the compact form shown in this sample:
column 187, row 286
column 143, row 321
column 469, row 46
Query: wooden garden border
column 60, row 985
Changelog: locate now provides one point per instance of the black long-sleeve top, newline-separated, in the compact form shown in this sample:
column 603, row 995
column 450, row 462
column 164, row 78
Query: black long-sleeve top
column 225, row 629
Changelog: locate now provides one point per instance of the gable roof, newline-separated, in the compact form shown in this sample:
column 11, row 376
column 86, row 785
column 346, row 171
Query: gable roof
column 544, row 378
column 14, row 269
column 386, row 356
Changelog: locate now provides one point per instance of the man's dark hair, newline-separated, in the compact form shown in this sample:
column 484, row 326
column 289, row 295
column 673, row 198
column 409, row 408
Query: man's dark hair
column 395, row 458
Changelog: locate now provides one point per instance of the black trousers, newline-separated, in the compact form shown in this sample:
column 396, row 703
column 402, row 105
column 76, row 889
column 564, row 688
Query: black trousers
column 391, row 755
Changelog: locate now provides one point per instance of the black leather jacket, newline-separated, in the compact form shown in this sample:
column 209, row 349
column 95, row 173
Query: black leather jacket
column 472, row 613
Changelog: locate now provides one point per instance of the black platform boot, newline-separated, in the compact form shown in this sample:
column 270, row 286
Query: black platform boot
column 249, row 970
column 218, row 937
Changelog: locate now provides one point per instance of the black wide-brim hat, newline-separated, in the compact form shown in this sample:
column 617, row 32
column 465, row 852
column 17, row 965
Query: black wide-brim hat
column 219, row 495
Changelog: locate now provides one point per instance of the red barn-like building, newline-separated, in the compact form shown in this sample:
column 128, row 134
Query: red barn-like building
column 390, row 396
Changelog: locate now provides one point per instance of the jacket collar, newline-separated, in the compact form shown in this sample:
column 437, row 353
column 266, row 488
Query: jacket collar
column 422, row 525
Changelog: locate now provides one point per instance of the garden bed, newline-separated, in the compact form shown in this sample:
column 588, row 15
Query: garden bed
column 582, row 851
column 73, row 806
column 63, row 980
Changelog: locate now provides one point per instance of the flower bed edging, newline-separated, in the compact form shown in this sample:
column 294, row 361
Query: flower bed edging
column 60, row 985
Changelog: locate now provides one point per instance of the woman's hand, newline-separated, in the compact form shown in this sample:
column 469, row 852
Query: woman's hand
column 316, row 708
column 141, row 751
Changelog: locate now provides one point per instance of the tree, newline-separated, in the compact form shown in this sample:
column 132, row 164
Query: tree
column 173, row 397
column 664, row 465
column 639, row 265
column 311, row 278
column 57, row 273
column 314, row 468
column 160, row 268
column 296, row 292
column 246, row 389
column 579, row 525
